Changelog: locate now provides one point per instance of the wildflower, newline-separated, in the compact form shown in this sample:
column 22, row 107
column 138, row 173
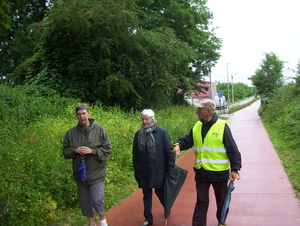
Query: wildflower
column 118, row 171
column 31, row 135
column 58, row 172
column 8, row 132
column 21, row 174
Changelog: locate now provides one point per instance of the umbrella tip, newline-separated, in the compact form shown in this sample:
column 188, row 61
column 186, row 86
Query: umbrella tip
column 166, row 222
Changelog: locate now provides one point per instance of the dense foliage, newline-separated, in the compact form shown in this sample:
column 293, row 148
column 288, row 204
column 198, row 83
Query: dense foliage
column 297, row 79
column 37, row 187
column 16, row 36
column 132, row 53
column 240, row 90
column 281, row 117
column 4, row 17
column 269, row 77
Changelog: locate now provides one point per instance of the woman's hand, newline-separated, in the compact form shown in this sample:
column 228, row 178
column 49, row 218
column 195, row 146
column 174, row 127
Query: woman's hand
column 84, row 150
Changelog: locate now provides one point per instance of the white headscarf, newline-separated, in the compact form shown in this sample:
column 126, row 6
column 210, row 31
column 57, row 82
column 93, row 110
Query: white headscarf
column 148, row 112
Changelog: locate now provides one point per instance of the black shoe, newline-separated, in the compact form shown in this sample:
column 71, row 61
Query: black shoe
column 146, row 223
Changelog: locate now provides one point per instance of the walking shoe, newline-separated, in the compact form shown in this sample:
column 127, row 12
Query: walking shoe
column 146, row 223
column 103, row 223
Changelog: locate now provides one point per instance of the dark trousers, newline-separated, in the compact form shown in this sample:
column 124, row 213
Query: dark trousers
column 148, row 201
column 201, row 207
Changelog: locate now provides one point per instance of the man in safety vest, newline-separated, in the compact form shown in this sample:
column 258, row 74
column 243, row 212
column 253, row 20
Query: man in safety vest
column 217, row 158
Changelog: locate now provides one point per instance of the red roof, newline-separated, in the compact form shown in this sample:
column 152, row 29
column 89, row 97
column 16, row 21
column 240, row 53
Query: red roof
column 204, row 93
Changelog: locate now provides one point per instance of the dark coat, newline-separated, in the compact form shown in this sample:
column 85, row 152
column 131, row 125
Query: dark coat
column 94, row 137
column 150, row 173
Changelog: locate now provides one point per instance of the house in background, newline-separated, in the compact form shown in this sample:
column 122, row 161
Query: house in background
column 206, row 93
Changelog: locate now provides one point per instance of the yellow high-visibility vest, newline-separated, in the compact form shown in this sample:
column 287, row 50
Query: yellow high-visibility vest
column 211, row 154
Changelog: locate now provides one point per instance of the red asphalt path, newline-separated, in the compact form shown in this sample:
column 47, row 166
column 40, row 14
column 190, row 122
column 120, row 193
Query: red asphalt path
column 263, row 196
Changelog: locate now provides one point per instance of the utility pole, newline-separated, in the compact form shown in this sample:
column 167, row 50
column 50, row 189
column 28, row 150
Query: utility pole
column 228, row 99
column 232, row 87
column 210, row 86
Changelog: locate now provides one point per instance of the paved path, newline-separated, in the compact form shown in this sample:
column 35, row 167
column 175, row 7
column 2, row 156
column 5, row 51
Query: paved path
column 263, row 197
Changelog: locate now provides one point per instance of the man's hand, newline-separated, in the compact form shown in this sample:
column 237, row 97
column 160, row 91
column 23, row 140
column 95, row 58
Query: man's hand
column 234, row 175
column 176, row 151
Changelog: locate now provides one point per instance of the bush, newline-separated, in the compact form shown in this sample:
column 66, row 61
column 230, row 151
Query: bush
column 281, row 117
column 37, row 184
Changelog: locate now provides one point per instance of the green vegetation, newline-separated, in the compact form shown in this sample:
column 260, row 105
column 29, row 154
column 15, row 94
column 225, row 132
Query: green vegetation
column 281, row 118
column 122, row 53
column 269, row 77
column 239, row 107
column 37, row 187
column 241, row 91
column 109, row 52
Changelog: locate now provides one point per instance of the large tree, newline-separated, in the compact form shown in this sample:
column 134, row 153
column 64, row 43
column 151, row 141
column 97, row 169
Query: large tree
column 95, row 51
column 16, row 44
column 269, row 77
column 102, row 51
column 5, row 20
column 190, row 20
column 297, row 78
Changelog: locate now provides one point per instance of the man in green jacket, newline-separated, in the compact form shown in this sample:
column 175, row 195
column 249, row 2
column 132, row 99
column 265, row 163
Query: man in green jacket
column 88, row 145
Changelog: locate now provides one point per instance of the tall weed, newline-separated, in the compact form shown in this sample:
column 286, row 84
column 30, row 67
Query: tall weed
column 281, row 117
column 37, row 184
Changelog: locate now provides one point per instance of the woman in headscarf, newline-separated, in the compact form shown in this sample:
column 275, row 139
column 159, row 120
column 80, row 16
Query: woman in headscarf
column 152, row 153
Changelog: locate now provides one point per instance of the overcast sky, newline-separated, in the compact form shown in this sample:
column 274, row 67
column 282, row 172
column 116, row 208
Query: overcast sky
column 250, row 28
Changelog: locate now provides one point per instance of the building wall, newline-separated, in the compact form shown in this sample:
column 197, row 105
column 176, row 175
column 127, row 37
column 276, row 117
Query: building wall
column 210, row 93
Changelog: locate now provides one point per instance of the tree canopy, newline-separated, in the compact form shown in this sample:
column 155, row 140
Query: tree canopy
column 127, row 53
column 240, row 90
column 269, row 77
column 5, row 20
column 16, row 40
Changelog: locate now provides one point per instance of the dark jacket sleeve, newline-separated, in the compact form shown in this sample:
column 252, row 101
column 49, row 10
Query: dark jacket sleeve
column 170, row 158
column 134, row 153
column 102, row 151
column 186, row 142
column 232, row 150
column 68, row 151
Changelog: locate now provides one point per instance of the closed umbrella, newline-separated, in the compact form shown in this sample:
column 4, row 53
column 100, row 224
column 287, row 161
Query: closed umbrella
column 226, row 203
column 175, row 177
column 82, row 168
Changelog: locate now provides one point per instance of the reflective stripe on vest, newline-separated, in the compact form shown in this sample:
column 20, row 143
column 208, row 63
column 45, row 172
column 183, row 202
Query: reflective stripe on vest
column 211, row 154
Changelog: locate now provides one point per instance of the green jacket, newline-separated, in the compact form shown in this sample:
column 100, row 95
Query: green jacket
column 94, row 137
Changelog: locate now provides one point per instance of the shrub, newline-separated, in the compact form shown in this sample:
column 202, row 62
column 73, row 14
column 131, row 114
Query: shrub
column 37, row 184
